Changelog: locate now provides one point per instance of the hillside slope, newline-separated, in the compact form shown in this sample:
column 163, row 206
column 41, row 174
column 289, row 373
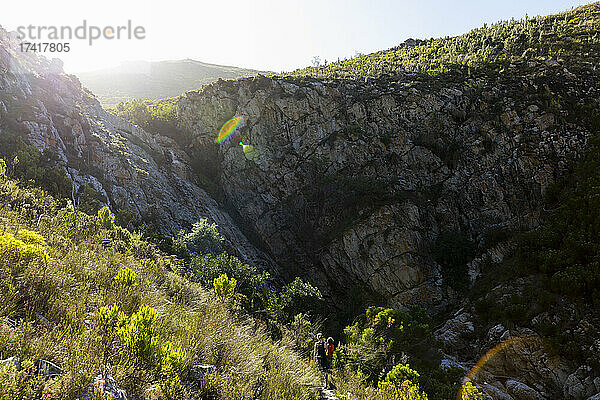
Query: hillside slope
column 155, row 80
column 61, row 274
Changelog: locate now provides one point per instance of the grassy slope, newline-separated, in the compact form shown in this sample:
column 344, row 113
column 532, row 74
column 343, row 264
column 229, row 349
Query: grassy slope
column 79, row 278
column 155, row 80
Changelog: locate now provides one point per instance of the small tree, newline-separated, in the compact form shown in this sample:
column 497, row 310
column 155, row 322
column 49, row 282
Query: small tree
column 401, row 391
column 137, row 336
column 171, row 367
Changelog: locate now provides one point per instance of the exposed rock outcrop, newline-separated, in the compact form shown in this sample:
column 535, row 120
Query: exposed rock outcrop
column 354, row 182
column 148, row 175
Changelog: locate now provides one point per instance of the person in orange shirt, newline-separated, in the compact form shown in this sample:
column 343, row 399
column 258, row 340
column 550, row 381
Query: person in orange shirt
column 329, row 354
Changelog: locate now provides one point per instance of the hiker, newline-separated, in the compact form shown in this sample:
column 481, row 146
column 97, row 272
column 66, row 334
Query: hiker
column 329, row 356
column 321, row 356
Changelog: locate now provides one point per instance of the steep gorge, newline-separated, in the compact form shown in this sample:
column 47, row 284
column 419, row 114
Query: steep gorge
column 358, row 185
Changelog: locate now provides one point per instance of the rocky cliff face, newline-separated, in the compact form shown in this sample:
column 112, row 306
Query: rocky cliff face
column 145, row 174
column 354, row 182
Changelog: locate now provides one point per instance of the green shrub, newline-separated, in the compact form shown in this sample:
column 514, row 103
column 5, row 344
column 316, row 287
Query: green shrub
column 203, row 239
column 125, row 278
column 125, row 218
column 2, row 168
column 171, row 367
column 381, row 335
column 206, row 268
column 293, row 299
column 469, row 392
column 402, row 391
column 400, row 373
column 16, row 250
column 31, row 237
column 154, row 116
column 106, row 218
column 137, row 336
column 224, row 286
column 33, row 167
column 24, row 384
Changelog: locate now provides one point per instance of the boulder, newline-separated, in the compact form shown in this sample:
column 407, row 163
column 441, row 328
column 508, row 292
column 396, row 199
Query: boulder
column 11, row 362
column 580, row 384
column 494, row 392
column 520, row 391
column 495, row 333
column 449, row 362
column 47, row 369
column 524, row 360
column 457, row 332
column 199, row 371
column 103, row 387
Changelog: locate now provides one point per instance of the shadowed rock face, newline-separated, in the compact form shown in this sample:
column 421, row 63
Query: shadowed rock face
column 354, row 182
column 148, row 175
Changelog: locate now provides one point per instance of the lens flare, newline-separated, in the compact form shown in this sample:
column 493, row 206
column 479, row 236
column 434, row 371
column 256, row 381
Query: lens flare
column 228, row 129
column 499, row 348
column 249, row 151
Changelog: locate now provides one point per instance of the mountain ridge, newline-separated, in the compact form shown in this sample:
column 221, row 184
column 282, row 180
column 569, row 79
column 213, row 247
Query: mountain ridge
column 152, row 80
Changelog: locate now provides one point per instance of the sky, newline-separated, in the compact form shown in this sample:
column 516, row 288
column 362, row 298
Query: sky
column 266, row 35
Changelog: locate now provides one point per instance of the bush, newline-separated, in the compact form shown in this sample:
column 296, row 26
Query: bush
column 16, row 250
column 206, row 268
column 171, row 367
column 24, row 384
column 403, row 391
column 381, row 335
column 106, row 218
column 33, row 167
column 203, row 239
column 224, row 286
column 158, row 116
column 293, row 299
column 125, row 278
column 137, row 336
column 400, row 373
column 470, row 392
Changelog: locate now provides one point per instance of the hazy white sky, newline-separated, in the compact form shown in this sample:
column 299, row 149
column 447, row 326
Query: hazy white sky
column 263, row 34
